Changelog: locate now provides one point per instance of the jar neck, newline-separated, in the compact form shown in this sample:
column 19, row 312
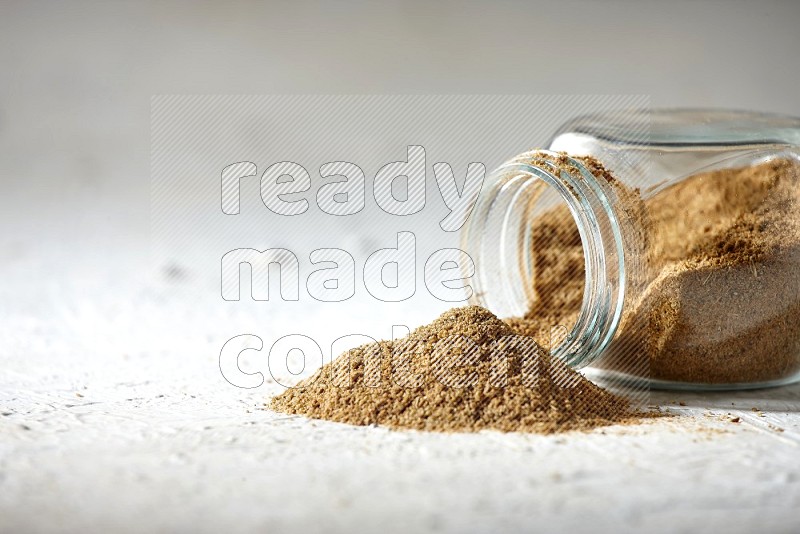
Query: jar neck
column 498, row 236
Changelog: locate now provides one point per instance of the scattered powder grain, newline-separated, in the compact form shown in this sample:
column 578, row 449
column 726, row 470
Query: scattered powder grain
column 428, row 382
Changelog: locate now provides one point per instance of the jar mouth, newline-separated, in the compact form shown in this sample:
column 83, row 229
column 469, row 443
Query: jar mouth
column 498, row 237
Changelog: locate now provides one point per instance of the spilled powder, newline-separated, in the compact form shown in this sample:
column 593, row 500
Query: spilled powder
column 717, row 302
column 436, row 380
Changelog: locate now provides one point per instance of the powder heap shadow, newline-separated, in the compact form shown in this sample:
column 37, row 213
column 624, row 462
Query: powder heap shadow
column 466, row 371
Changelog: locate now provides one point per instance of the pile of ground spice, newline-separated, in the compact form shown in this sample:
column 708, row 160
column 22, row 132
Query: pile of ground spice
column 466, row 371
column 721, row 254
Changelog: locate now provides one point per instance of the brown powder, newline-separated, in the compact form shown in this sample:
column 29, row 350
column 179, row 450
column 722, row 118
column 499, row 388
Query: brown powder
column 559, row 277
column 436, row 380
column 722, row 305
column 723, row 254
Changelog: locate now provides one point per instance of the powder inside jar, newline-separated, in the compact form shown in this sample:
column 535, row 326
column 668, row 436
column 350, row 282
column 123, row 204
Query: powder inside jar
column 722, row 305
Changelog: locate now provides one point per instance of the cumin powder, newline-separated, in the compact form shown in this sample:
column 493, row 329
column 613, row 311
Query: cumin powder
column 721, row 305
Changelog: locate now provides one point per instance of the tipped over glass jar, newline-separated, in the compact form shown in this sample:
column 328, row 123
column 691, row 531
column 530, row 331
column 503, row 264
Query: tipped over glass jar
column 664, row 244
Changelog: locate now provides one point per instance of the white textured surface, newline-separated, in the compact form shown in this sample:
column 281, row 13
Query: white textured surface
column 101, row 429
column 140, row 454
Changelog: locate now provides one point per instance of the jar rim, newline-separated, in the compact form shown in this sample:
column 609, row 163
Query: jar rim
column 495, row 254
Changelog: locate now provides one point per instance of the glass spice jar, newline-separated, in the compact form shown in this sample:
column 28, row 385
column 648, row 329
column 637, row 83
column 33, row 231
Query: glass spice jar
column 665, row 246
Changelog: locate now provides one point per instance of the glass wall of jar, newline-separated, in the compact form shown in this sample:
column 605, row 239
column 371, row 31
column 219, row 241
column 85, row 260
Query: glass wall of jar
column 664, row 244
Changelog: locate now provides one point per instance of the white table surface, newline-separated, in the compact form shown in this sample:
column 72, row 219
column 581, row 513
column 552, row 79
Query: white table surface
column 99, row 430
column 88, row 451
